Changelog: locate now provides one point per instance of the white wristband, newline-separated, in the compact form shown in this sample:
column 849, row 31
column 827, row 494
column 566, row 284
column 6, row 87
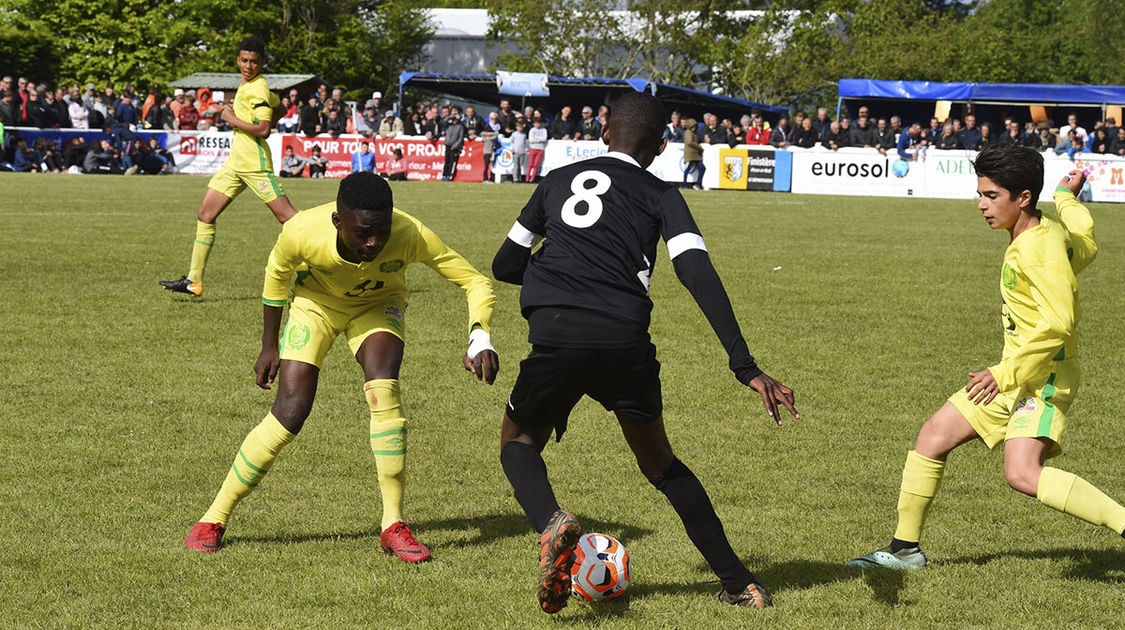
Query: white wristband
column 479, row 340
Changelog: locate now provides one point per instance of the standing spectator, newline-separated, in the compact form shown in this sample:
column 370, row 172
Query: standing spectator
column 528, row 115
column 176, row 102
column 519, row 152
column 1093, row 134
column 1013, row 136
column 413, row 126
column 102, row 159
column 9, row 109
column 807, row 136
column 603, row 115
column 885, row 138
column 563, row 127
column 188, row 119
column 933, row 132
column 396, row 167
column 96, row 115
column 779, row 137
column 89, row 95
column 218, row 102
column 1101, row 142
column 335, row 125
column 391, row 126
column 310, row 117
column 77, row 111
column 757, row 134
column 970, row 135
column 431, row 126
column 588, row 127
column 798, row 123
column 318, row 164
column 490, row 138
column 22, row 116
column 536, row 148
column 1072, row 123
column 985, row 135
column 845, row 132
column 454, row 142
column 693, row 154
column 949, row 140
column 863, row 131
column 736, row 136
column 292, row 165
column 377, row 102
column 835, row 138
column 674, row 131
column 370, row 120
column 822, row 124
column 37, row 111
column 911, row 145
column 474, row 124
column 290, row 120
column 896, row 127
column 126, row 114
column 1044, row 140
column 507, row 118
column 321, row 96
column 154, row 115
column 713, row 132
column 364, row 159
column 1117, row 147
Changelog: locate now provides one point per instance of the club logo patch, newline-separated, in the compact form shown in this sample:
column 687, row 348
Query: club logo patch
column 393, row 311
column 1026, row 406
column 263, row 186
column 298, row 336
column 391, row 266
column 1008, row 276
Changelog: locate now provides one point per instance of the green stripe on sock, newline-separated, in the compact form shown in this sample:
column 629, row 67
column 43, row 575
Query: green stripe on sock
column 401, row 451
column 250, row 464
column 1049, row 391
column 248, row 484
column 211, row 244
column 390, row 432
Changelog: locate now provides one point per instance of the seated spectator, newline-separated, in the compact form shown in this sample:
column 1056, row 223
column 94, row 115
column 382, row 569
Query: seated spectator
column 162, row 154
column 779, row 137
column 309, row 119
column 986, row 137
column 396, row 168
column 1077, row 147
column 563, row 128
column 1072, row 123
column 836, row 138
column 911, row 146
column 674, row 130
column 970, row 134
column 1043, row 140
column 588, row 127
column 102, row 159
column 413, row 125
column 292, row 165
column 1117, row 147
column 737, row 135
column 391, row 126
column 886, row 137
column 290, row 120
column 1065, row 141
column 807, row 136
column 188, row 119
column 863, row 132
column 949, row 140
column 1101, row 141
column 693, row 154
column 364, row 159
column 318, row 164
column 74, row 154
column 51, row 159
column 25, row 159
column 1013, row 136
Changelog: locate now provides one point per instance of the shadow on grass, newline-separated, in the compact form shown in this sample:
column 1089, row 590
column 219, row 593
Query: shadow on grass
column 1094, row 565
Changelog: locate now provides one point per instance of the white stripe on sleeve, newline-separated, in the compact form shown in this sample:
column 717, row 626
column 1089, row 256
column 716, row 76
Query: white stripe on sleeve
column 680, row 243
column 522, row 236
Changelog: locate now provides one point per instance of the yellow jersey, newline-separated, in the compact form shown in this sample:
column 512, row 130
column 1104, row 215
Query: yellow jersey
column 307, row 249
column 252, row 103
column 1040, row 292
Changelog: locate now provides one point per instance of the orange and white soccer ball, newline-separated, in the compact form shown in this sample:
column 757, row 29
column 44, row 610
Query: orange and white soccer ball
column 601, row 568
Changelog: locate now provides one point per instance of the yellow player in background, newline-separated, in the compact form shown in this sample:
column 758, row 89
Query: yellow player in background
column 249, row 164
column 1023, row 400
column 349, row 259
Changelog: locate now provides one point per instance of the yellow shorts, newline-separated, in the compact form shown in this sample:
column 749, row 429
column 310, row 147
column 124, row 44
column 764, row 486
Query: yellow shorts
column 1039, row 415
column 230, row 183
column 312, row 327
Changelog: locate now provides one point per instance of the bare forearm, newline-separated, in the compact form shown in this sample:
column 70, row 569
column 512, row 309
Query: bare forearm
column 271, row 326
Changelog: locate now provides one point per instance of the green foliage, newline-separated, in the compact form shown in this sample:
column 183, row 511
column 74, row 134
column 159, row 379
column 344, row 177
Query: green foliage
column 123, row 407
column 354, row 44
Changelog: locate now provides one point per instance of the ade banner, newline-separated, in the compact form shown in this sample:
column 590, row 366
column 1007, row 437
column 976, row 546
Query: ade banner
column 424, row 158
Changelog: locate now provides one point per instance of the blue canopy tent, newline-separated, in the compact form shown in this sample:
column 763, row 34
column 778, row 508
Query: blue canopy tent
column 593, row 91
column 974, row 95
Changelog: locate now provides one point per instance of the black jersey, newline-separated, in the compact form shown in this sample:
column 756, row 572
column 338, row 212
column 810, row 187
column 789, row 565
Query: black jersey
column 587, row 286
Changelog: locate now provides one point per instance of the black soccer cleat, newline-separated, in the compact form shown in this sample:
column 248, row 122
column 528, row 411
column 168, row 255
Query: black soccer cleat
column 183, row 285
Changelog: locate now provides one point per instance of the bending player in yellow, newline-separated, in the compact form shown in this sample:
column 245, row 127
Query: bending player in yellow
column 1023, row 400
column 349, row 258
column 249, row 164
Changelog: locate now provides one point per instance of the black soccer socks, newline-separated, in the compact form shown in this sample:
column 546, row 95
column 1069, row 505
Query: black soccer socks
column 527, row 473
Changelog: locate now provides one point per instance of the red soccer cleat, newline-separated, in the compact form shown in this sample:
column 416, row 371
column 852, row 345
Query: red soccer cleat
column 556, row 554
column 399, row 540
column 205, row 537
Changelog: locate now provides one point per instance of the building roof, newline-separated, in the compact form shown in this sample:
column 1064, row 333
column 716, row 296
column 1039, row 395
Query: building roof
column 231, row 80
column 1039, row 94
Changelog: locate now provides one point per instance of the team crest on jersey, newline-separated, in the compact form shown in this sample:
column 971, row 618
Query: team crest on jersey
column 1026, row 406
column 1008, row 276
column 733, row 166
column 391, row 266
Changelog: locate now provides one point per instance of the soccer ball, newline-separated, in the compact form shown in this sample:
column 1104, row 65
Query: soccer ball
column 601, row 568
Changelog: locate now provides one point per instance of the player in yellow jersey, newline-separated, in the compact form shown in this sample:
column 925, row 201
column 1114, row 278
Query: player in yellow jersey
column 249, row 165
column 349, row 259
column 1023, row 400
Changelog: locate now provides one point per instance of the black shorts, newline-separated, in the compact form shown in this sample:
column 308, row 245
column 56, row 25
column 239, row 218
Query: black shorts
column 552, row 380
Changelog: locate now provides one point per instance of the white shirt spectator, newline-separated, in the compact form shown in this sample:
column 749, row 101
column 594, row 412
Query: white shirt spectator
column 1078, row 131
column 78, row 115
column 537, row 138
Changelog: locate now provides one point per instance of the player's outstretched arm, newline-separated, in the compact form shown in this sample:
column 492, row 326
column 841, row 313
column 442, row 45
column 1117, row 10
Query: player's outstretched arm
column 694, row 269
column 269, row 359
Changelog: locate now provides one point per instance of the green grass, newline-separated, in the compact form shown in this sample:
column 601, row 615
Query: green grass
column 121, row 407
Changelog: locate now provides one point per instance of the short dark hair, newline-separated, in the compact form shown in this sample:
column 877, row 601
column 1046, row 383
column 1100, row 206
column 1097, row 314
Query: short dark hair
column 252, row 44
column 1014, row 167
column 638, row 119
column 365, row 191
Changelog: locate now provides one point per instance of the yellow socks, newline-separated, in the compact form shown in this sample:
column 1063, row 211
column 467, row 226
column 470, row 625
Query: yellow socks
column 388, row 444
column 253, row 461
column 920, row 479
column 204, row 240
column 1073, row 495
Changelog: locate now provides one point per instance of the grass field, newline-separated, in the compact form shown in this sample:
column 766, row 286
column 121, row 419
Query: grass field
column 121, row 407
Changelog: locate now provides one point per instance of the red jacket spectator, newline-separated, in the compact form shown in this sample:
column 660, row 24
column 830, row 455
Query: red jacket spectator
column 189, row 116
column 757, row 135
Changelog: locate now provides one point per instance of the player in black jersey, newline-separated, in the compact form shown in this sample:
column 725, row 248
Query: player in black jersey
column 585, row 297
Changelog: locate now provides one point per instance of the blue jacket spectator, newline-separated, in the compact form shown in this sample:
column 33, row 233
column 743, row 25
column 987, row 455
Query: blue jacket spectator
column 364, row 159
column 908, row 142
